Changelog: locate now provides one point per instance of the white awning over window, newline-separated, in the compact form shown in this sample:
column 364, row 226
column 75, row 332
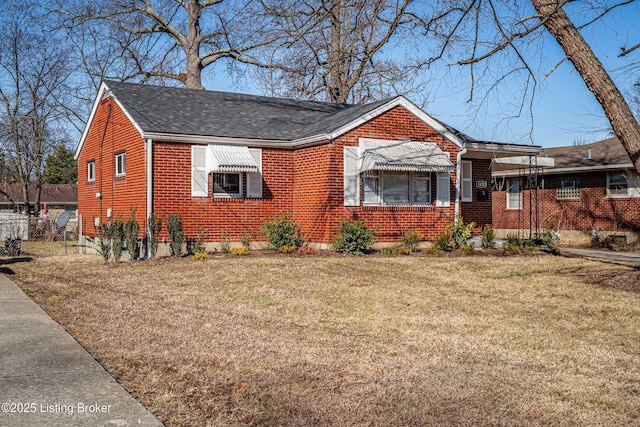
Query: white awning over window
column 403, row 156
column 231, row 159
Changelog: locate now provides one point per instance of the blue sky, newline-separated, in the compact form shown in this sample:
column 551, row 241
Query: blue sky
column 564, row 111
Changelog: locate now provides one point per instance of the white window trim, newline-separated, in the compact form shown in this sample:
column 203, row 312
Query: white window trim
column 619, row 196
column 122, row 155
column 379, row 175
column 520, row 198
column 91, row 171
column 226, row 195
column 467, row 179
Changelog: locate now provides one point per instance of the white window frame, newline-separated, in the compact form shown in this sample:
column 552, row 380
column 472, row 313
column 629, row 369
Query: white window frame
column 510, row 185
column 467, row 181
column 380, row 177
column 611, row 182
column 227, row 195
column 121, row 166
column 91, row 171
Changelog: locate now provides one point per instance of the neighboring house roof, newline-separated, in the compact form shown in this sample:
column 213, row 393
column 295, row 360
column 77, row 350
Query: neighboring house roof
column 54, row 194
column 189, row 115
column 608, row 153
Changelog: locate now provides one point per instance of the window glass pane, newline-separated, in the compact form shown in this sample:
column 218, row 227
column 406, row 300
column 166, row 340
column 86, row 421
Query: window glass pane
column 226, row 183
column 371, row 189
column 396, row 188
column 514, row 199
column 422, row 190
column 91, row 171
column 120, row 164
column 618, row 184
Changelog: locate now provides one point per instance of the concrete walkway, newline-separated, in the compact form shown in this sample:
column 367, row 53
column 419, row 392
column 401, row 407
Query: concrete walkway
column 604, row 254
column 48, row 379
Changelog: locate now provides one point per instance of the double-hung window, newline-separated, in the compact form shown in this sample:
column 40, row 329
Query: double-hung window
column 467, row 181
column 91, row 171
column 617, row 184
column 121, row 164
column 396, row 188
column 514, row 193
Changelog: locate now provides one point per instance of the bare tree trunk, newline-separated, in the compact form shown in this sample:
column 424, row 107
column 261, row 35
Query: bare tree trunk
column 191, row 47
column 336, row 85
column 594, row 75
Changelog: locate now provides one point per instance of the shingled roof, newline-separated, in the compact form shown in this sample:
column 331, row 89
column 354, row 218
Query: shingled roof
column 605, row 153
column 179, row 111
column 55, row 194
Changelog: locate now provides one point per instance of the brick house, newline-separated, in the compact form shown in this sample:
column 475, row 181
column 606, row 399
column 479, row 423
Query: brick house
column 226, row 162
column 589, row 187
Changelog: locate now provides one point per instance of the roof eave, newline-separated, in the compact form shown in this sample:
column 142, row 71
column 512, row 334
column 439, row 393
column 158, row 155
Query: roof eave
column 570, row 169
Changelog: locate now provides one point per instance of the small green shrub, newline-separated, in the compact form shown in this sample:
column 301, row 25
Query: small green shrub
column 510, row 247
column 281, row 231
column 442, row 242
column 386, row 251
column 131, row 232
column 117, row 239
column 242, row 250
column 513, row 240
column 154, row 225
column 104, row 234
column 460, row 231
column 432, row 251
column 411, row 239
column 550, row 240
column 246, row 238
column 467, row 250
column 197, row 245
column 487, row 237
column 225, row 242
column 176, row 234
column 353, row 237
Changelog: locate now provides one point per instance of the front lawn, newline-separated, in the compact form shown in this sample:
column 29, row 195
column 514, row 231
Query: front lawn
column 375, row 340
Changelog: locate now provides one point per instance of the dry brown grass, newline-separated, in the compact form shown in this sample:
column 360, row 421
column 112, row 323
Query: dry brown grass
column 354, row 341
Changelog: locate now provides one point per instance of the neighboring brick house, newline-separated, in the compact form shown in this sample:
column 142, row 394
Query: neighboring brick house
column 590, row 187
column 226, row 162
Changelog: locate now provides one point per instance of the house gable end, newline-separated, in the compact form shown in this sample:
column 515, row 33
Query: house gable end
column 104, row 89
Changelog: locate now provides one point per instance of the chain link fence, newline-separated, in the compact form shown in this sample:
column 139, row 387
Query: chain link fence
column 24, row 236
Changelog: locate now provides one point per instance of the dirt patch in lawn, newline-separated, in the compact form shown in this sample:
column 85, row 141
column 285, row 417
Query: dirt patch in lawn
column 340, row 341
column 608, row 278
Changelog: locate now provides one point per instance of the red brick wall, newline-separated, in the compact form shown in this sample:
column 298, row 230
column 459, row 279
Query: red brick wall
column 112, row 132
column 306, row 182
column 593, row 208
column 214, row 216
column 318, row 194
column 478, row 211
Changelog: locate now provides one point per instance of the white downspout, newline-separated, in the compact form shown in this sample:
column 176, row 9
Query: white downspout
column 149, row 150
column 456, row 211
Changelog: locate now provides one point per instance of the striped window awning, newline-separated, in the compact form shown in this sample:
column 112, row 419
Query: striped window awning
column 403, row 156
column 232, row 159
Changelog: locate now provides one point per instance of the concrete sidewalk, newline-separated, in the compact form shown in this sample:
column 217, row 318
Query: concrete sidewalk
column 48, row 379
column 604, row 254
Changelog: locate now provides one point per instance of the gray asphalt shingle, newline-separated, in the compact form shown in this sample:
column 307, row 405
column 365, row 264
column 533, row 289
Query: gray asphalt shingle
column 220, row 114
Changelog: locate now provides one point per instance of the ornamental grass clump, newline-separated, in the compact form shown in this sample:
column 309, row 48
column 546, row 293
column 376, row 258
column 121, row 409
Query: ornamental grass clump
column 411, row 239
column 353, row 237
